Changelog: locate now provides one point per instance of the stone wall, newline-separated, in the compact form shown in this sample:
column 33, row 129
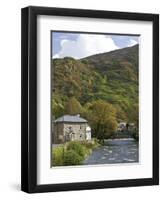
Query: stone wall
column 63, row 132
column 75, row 131
column 58, row 133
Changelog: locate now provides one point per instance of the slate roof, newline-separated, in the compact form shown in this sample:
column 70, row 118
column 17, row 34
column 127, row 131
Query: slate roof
column 71, row 118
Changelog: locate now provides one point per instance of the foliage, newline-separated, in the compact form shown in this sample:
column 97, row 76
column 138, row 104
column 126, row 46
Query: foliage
column 136, row 134
column 103, row 119
column 94, row 143
column 111, row 77
column 134, row 114
column 58, row 105
column 120, row 114
column 72, row 153
column 72, row 158
column 71, row 77
column 58, row 156
column 73, row 106
column 78, row 148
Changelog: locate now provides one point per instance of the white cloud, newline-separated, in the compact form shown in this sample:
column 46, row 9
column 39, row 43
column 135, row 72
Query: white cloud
column 132, row 43
column 85, row 45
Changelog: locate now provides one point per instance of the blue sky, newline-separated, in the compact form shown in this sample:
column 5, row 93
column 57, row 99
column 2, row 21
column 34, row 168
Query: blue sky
column 80, row 45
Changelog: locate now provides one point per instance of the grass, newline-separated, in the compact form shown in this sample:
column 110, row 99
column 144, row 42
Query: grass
column 58, row 155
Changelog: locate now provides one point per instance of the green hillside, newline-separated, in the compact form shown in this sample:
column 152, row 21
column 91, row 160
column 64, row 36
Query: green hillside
column 103, row 88
column 111, row 77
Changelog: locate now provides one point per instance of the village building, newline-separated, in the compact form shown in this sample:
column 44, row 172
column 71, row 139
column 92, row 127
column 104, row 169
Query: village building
column 122, row 126
column 70, row 128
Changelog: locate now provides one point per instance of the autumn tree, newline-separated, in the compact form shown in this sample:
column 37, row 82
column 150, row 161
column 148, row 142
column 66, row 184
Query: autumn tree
column 103, row 119
column 73, row 107
column 57, row 106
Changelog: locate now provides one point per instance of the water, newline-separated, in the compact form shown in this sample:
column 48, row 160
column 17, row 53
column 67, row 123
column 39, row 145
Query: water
column 115, row 151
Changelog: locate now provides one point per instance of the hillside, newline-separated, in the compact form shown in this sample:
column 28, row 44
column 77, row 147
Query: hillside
column 112, row 77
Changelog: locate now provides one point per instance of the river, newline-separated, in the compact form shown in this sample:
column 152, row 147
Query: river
column 115, row 151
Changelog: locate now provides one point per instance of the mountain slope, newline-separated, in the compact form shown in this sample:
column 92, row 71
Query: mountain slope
column 111, row 76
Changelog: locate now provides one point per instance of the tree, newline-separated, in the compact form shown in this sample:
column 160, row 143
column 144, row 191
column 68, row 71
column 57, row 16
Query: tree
column 73, row 106
column 134, row 118
column 57, row 106
column 103, row 119
column 134, row 114
column 121, row 116
column 57, row 109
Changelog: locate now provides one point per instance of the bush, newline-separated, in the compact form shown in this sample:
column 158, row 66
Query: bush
column 58, row 156
column 78, row 148
column 88, row 145
column 94, row 143
column 72, row 158
column 72, row 153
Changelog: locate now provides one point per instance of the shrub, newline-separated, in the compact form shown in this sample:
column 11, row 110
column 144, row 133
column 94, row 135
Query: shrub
column 94, row 143
column 78, row 148
column 72, row 153
column 58, row 156
column 87, row 144
column 72, row 158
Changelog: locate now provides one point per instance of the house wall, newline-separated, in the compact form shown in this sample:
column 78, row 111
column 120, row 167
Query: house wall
column 58, row 136
column 77, row 131
column 63, row 132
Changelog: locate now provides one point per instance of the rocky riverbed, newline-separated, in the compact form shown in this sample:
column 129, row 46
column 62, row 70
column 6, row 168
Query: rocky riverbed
column 115, row 151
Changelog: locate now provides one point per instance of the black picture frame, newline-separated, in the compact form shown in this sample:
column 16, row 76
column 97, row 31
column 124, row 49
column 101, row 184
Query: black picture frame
column 29, row 99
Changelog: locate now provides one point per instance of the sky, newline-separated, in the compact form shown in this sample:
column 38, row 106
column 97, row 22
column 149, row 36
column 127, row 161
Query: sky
column 80, row 45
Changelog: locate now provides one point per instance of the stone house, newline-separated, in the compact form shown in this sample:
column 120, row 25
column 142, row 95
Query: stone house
column 70, row 128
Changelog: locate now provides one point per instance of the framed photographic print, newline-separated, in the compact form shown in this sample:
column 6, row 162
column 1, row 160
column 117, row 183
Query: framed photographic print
column 90, row 99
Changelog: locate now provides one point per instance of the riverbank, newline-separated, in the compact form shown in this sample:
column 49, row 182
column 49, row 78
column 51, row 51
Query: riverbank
column 113, row 151
column 73, row 152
